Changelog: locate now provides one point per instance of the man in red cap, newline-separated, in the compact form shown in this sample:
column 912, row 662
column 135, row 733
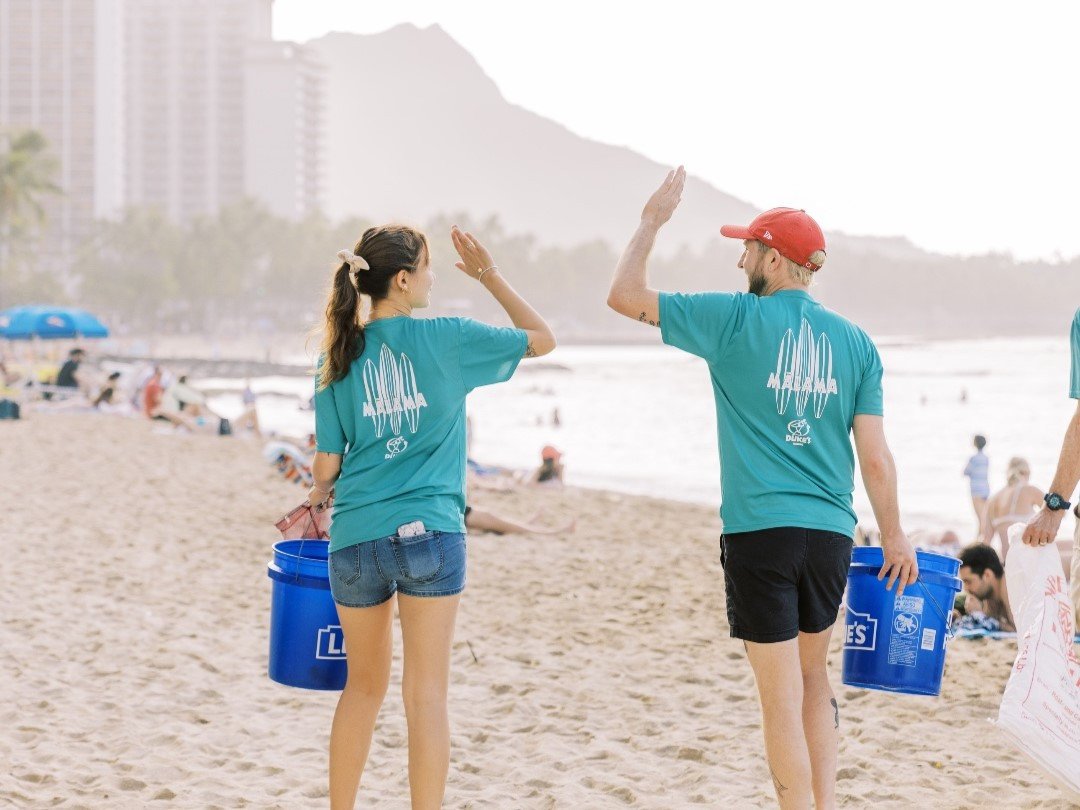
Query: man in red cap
column 792, row 381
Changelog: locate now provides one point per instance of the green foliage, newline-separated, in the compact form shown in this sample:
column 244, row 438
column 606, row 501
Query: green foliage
column 27, row 175
column 248, row 270
column 128, row 271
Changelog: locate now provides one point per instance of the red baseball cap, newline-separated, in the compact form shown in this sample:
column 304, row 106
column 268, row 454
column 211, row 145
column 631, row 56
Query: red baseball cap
column 791, row 231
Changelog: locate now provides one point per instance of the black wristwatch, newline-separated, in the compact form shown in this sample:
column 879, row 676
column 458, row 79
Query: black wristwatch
column 1055, row 502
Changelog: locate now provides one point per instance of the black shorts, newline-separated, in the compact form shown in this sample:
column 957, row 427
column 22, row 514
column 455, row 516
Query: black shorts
column 780, row 582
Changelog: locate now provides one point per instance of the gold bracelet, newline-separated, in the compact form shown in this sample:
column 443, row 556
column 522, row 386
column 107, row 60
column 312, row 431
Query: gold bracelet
column 493, row 267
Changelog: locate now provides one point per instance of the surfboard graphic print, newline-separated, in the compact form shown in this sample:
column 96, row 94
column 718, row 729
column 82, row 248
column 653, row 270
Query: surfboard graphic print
column 804, row 371
column 393, row 398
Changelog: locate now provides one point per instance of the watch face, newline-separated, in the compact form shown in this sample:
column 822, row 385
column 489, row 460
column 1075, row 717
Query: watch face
column 1055, row 501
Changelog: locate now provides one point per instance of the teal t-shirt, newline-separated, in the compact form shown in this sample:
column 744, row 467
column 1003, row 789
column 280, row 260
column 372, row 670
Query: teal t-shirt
column 1074, row 382
column 398, row 420
column 788, row 377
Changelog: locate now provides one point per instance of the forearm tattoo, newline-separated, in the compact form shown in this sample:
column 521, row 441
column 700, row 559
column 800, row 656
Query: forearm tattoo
column 643, row 319
column 836, row 712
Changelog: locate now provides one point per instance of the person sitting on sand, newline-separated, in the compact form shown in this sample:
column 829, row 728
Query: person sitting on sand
column 984, row 581
column 182, row 398
column 550, row 471
column 1015, row 503
column 7, row 376
column 483, row 521
column 151, row 395
column 68, row 376
column 107, row 394
column 939, row 542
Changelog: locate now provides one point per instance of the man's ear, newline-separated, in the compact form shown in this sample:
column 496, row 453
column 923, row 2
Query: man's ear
column 773, row 260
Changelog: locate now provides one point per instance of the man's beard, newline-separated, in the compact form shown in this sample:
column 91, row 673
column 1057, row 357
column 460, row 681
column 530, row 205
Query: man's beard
column 757, row 283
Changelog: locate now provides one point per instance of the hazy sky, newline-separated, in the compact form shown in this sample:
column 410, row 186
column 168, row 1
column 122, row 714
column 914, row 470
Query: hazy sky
column 951, row 122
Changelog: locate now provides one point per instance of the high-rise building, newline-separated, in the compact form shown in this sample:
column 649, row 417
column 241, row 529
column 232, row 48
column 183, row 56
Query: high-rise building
column 154, row 102
column 184, row 102
column 59, row 75
column 283, row 125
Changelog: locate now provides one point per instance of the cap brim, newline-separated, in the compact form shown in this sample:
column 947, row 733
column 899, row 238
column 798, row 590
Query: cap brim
column 735, row 231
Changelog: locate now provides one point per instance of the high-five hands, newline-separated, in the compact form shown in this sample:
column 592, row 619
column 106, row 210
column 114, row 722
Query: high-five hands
column 665, row 200
column 475, row 259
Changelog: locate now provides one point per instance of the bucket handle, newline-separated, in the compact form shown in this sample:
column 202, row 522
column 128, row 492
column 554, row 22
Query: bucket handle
column 950, row 633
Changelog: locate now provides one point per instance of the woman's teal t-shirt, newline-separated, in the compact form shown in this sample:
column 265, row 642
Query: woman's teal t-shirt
column 398, row 420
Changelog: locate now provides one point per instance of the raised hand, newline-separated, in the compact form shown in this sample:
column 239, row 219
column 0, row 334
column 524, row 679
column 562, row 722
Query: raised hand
column 475, row 259
column 665, row 200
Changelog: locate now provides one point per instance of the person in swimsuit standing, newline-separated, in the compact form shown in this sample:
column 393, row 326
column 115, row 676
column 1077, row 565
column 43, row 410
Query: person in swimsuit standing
column 977, row 471
column 1012, row 504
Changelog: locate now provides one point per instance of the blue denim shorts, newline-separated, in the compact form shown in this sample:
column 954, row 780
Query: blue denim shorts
column 369, row 573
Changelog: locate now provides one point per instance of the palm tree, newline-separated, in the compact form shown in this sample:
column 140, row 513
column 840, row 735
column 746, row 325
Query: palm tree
column 27, row 174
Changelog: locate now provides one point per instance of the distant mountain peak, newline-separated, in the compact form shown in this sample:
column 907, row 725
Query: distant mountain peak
column 407, row 51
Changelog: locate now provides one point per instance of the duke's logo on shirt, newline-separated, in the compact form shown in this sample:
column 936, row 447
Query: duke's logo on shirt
column 798, row 432
column 395, row 446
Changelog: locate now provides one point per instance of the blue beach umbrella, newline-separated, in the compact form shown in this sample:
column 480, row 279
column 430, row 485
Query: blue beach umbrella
column 49, row 323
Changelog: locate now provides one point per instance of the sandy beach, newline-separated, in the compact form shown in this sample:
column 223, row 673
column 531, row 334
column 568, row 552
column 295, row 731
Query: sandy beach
column 591, row 671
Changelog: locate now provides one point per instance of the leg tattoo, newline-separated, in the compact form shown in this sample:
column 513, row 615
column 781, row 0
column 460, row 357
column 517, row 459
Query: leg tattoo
column 836, row 712
column 780, row 788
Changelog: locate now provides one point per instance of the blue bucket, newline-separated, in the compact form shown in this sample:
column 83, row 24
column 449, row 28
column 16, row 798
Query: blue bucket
column 898, row 643
column 307, row 648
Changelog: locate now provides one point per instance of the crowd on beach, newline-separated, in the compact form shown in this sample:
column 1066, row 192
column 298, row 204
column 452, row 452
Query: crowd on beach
column 150, row 390
column 391, row 453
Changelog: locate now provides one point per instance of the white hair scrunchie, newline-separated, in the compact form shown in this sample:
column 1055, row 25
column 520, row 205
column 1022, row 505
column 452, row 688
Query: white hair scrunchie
column 356, row 263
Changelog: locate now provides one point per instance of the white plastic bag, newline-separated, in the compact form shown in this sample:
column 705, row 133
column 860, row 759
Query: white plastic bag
column 1040, row 710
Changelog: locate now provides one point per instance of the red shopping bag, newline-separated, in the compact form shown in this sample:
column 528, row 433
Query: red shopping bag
column 307, row 522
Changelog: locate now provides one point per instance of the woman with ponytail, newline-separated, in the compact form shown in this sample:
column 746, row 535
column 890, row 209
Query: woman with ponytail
column 390, row 441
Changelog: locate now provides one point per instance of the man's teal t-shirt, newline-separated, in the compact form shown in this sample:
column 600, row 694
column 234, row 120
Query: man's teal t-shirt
column 398, row 420
column 1074, row 382
column 788, row 377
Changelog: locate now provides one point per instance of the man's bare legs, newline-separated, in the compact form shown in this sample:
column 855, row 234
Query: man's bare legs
column 821, row 716
column 778, row 674
column 800, row 718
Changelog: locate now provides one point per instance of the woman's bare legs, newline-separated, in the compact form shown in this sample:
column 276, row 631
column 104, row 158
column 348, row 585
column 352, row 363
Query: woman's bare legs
column 483, row 521
column 368, row 648
column 427, row 633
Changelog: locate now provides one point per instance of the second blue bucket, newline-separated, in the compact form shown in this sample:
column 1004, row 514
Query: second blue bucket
column 307, row 648
column 897, row 643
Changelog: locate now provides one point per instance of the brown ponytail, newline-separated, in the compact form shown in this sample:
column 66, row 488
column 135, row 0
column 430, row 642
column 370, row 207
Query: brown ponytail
column 383, row 252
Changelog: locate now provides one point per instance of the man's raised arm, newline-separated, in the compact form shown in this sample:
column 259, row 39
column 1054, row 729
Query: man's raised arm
column 630, row 294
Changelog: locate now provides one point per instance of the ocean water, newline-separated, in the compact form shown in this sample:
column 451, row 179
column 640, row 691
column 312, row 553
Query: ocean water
column 640, row 419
